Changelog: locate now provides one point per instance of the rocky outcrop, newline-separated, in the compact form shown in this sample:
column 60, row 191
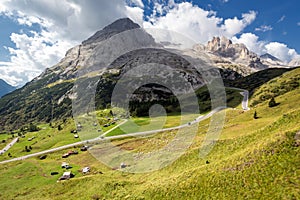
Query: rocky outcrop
column 233, row 53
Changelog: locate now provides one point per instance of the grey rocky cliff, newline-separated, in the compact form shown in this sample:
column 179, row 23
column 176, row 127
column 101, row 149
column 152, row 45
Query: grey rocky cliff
column 234, row 53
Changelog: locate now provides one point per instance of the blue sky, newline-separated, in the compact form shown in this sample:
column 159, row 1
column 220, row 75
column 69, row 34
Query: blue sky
column 35, row 34
column 281, row 15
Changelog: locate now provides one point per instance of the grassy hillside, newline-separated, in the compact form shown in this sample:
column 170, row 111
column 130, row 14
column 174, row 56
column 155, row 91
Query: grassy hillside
column 253, row 159
column 277, row 86
column 257, row 79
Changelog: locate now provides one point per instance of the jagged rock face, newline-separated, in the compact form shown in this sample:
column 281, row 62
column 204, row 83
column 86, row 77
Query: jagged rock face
column 162, row 59
column 233, row 53
column 224, row 47
column 219, row 44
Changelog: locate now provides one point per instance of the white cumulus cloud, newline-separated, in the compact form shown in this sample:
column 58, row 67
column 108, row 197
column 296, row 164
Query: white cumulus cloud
column 32, row 55
column 279, row 50
column 235, row 25
column 196, row 23
column 264, row 28
column 252, row 42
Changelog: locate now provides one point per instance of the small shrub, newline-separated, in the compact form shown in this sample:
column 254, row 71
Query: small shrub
column 255, row 115
column 272, row 102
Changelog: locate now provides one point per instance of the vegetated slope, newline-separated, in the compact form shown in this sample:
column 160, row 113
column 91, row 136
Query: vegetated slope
column 35, row 102
column 257, row 79
column 286, row 82
column 5, row 88
column 253, row 159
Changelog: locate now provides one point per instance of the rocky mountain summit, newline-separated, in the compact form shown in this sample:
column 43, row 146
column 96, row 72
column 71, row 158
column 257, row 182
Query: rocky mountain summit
column 235, row 53
column 237, row 57
column 269, row 57
column 116, row 27
column 77, row 56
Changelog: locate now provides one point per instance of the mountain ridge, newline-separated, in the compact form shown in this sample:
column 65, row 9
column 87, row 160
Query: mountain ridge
column 5, row 88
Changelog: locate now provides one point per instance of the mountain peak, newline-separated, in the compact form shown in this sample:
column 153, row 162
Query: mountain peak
column 295, row 62
column 116, row 27
column 269, row 56
column 5, row 88
column 122, row 24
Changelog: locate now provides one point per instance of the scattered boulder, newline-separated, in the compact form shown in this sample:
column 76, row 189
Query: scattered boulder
column 43, row 157
column 86, row 170
column 123, row 165
column 64, row 164
column 65, row 155
column 84, row 148
column 54, row 173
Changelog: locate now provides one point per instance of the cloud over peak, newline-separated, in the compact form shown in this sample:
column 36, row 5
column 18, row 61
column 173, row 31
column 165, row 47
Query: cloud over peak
column 276, row 49
column 197, row 23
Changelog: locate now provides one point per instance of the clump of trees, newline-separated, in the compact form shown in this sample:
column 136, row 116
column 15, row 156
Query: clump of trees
column 33, row 128
column 59, row 127
column 29, row 128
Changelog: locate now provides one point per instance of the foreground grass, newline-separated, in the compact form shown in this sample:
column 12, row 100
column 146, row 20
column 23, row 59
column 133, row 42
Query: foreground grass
column 262, row 165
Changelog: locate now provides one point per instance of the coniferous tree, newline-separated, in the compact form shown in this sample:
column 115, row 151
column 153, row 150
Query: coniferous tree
column 255, row 115
column 272, row 102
